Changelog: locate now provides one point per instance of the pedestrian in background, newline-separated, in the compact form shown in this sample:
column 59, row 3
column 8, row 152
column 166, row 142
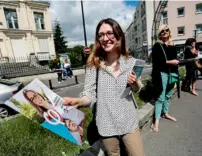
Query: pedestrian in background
column 59, row 72
column 116, row 117
column 191, row 68
column 164, row 73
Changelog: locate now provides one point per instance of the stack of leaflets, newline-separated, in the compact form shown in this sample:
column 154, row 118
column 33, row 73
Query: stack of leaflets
column 38, row 103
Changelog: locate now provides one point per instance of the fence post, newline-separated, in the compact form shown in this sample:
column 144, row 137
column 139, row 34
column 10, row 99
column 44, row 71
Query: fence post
column 50, row 84
column 76, row 79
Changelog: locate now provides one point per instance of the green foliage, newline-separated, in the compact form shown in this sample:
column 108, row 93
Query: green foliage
column 53, row 63
column 59, row 39
column 76, row 54
column 26, row 109
column 91, row 47
column 139, row 101
column 182, row 72
column 21, row 136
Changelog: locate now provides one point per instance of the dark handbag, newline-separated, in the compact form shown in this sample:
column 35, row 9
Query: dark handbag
column 147, row 93
column 186, row 85
column 92, row 130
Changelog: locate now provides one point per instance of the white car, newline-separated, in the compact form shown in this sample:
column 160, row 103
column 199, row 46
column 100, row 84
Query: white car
column 7, row 89
column 200, row 54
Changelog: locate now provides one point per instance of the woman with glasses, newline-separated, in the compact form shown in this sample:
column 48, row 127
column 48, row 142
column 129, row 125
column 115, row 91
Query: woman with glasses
column 164, row 73
column 116, row 117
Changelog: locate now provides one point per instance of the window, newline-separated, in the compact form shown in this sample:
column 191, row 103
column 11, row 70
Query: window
column 180, row 30
column 180, row 11
column 199, row 8
column 135, row 28
column 143, row 24
column 199, row 28
column 143, row 8
column 165, row 17
column 39, row 21
column 137, row 13
column 11, row 18
column 136, row 40
column 135, row 16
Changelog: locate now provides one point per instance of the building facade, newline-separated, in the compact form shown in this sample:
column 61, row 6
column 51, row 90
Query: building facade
column 130, row 38
column 140, row 40
column 25, row 29
column 183, row 17
column 185, row 21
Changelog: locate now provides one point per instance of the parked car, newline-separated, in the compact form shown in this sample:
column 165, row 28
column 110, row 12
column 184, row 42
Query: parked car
column 7, row 89
column 200, row 54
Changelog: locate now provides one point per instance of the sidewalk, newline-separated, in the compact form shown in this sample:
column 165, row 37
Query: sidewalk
column 181, row 138
column 80, row 73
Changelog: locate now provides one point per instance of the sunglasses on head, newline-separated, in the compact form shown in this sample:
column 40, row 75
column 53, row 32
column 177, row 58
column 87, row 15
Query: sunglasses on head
column 166, row 30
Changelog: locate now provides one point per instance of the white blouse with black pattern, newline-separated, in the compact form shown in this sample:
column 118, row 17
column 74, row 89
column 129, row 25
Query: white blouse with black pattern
column 114, row 116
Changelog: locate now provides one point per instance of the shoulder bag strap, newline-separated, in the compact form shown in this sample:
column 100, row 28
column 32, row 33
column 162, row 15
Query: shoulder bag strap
column 96, row 85
column 163, row 51
column 164, row 55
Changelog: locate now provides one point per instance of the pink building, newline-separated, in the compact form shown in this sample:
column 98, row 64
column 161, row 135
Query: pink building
column 184, row 18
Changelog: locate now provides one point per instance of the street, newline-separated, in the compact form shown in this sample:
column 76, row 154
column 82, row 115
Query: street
column 74, row 90
column 183, row 138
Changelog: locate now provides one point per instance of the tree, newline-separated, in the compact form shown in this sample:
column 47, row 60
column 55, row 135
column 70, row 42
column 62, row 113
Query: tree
column 59, row 39
column 75, row 54
column 91, row 47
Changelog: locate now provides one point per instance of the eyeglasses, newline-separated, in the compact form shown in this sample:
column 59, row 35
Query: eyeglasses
column 34, row 98
column 109, row 34
column 166, row 30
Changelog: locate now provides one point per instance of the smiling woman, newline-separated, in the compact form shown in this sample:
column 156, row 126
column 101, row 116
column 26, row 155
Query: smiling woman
column 108, row 73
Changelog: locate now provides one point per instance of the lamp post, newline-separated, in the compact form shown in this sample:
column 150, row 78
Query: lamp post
column 84, row 28
column 85, row 57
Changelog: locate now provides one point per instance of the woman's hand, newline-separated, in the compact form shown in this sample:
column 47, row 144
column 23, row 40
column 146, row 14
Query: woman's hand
column 132, row 79
column 173, row 62
column 72, row 101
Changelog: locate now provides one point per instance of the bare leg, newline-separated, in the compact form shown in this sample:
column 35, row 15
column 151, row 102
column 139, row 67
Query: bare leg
column 194, row 89
column 156, row 125
column 169, row 117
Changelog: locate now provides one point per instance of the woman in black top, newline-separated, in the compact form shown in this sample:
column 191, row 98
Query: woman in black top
column 191, row 69
column 163, row 66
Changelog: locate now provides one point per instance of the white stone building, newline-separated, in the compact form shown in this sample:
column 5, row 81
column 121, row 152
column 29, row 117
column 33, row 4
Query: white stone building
column 25, row 28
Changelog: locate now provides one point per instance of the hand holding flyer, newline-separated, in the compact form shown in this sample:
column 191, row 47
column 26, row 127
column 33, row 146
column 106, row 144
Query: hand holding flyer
column 137, row 69
column 38, row 103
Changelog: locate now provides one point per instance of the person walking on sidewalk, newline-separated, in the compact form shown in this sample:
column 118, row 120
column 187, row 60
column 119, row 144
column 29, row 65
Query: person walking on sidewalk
column 191, row 68
column 59, row 72
column 116, row 117
column 164, row 73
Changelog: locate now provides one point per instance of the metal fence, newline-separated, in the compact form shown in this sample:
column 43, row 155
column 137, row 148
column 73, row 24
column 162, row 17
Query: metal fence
column 26, row 66
column 21, row 66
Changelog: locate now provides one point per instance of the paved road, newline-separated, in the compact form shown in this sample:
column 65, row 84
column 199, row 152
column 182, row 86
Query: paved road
column 74, row 90
column 183, row 138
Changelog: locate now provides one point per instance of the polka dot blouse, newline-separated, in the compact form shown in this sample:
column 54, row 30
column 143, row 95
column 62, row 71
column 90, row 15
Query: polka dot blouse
column 114, row 115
